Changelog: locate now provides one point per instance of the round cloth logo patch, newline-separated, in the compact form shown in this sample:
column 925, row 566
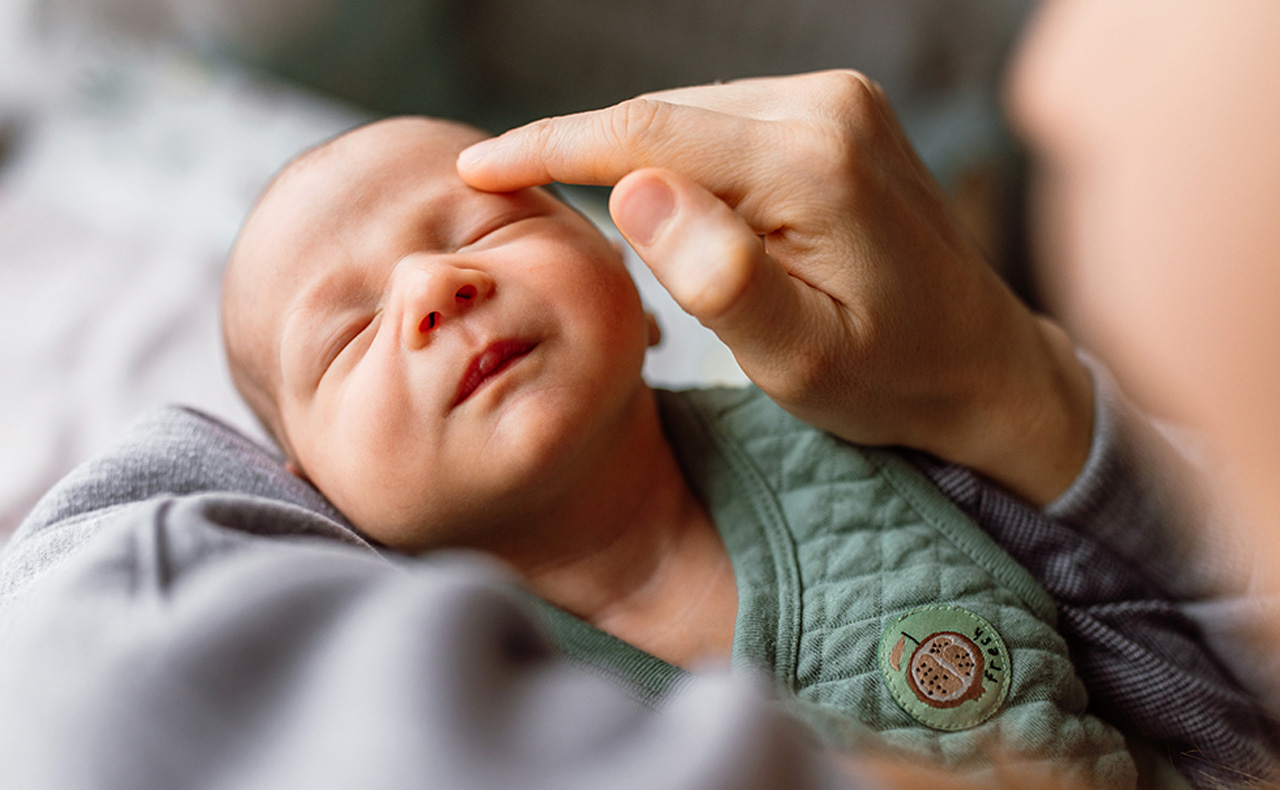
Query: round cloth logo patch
column 945, row 666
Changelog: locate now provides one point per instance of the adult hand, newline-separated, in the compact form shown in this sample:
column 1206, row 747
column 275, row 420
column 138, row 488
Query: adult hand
column 791, row 216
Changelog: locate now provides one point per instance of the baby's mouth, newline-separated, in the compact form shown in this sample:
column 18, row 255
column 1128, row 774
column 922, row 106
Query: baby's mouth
column 495, row 359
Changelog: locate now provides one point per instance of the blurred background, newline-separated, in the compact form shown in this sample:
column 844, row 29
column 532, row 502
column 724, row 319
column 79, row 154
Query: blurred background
column 135, row 135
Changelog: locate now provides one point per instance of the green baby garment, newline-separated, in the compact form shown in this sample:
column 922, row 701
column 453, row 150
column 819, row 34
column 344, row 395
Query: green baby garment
column 869, row 597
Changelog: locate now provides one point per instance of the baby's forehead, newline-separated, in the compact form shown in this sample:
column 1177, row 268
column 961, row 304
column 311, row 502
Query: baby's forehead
column 427, row 146
column 401, row 158
column 341, row 182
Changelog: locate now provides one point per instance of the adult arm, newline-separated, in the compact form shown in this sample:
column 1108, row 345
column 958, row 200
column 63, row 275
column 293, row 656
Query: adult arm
column 791, row 216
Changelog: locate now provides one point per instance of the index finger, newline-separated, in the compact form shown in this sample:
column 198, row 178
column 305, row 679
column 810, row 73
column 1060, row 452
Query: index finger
column 762, row 98
column 601, row 146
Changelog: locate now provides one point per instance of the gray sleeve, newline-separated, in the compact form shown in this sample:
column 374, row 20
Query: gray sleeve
column 1143, row 494
column 176, row 648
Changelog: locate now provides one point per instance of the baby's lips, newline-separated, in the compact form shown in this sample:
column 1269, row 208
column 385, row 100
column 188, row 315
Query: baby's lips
column 495, row 358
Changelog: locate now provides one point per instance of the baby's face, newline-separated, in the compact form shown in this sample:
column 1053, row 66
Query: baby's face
column 440, row 359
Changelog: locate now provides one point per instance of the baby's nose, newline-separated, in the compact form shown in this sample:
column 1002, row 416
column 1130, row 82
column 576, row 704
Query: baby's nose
column 462, row 299
column 437, row 295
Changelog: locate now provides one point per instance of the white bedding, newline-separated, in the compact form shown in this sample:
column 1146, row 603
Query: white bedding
column 118, row 203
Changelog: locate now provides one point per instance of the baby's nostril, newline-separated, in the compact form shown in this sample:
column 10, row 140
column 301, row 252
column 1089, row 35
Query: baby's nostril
column 429, row 322
column 466, row 293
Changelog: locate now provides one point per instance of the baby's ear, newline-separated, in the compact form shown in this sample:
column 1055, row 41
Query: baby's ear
column 655, row 331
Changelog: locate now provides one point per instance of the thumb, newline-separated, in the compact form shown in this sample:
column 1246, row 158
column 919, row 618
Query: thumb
column 713, row 264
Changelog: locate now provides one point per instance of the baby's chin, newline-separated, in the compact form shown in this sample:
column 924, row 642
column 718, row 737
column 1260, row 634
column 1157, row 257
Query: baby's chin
column 533, row 474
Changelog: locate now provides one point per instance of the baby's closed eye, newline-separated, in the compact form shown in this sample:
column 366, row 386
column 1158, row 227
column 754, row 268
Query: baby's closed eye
column 345, row 337
column 494, row 230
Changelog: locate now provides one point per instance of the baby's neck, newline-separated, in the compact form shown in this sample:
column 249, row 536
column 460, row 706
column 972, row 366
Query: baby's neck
column 636, row 554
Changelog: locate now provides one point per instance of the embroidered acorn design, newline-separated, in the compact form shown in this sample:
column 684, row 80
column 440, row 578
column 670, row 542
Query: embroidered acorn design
column 944, row 670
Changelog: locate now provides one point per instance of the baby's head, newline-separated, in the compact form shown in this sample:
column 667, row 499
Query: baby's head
column 435, row 359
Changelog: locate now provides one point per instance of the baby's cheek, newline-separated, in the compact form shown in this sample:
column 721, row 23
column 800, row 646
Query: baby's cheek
column 376, row 451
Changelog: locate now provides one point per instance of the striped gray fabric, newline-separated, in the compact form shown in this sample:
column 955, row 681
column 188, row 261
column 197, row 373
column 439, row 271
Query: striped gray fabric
column 1143, row 660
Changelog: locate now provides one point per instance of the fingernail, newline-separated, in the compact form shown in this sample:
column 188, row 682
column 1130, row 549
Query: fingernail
column 472, row 156
column 641, row 213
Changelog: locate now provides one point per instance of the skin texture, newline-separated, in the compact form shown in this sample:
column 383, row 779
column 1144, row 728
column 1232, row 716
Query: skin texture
column 791, row 216
column 1158, row 193
column 363, row 293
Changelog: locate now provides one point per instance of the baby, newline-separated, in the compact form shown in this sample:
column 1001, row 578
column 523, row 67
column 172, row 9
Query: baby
column 454, row 368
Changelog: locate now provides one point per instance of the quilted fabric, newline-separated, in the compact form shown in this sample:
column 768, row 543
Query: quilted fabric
column 831, row 544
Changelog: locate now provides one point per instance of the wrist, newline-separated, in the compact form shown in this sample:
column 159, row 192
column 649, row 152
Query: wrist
column 1035, row 435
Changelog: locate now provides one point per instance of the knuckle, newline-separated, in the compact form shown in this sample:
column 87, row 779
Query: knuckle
column 542, row 131
column 851, row 93
column 855, row 107
column 851, row 131
column 636, row 120
column 543, row 135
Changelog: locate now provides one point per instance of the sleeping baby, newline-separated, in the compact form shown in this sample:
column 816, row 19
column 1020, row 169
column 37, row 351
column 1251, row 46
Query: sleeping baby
column 455, row 368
